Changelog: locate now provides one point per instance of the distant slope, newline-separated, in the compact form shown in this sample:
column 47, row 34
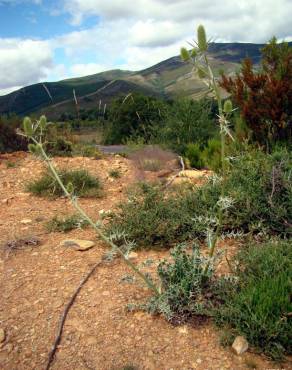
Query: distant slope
column 171, row 77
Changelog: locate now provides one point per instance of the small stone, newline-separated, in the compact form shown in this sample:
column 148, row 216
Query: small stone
column 9, row 347
column 2, row 335
column 183, row 330
column 240, row 345
column 106, row 293
column 199, row 361
column 132, row 255
column 78, row 244
column 26, row 221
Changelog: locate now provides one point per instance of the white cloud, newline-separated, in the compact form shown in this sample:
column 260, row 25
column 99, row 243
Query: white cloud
column 248, row 20
column 23, row 62
column 136, row 35
column 151, row 33
column 80, row 70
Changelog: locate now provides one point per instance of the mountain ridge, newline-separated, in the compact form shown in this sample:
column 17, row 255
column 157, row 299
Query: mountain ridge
column 168, row 78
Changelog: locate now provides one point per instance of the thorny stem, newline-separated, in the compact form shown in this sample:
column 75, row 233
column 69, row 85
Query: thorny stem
column 74, row 202
column 222, row 136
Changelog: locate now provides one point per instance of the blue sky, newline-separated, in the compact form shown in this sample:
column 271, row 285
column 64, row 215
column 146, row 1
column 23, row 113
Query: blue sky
column 47, row 40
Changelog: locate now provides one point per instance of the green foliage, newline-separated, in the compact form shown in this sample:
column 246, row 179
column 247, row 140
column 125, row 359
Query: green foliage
column 187, row 121
column 259, row 305
column 133, row 116
column 193, row 153
column 83, row 183
column 211, row 155
column 87, row 151
column 258, row 184
column 9, row 140
column 115, row 173
column 65, row 224
column 187, row 289
column 149, row 218
column 60, row 147
column 11, row 164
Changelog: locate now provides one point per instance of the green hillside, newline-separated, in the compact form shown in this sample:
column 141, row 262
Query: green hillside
column 168, row 78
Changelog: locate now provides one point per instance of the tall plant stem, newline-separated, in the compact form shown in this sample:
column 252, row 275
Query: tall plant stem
column 222, row 138
column 80, row 210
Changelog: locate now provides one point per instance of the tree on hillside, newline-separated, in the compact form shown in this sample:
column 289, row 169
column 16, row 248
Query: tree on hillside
column 134, row 116
column 264, row 96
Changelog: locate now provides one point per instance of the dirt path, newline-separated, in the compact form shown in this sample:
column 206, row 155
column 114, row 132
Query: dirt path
column 36, row 283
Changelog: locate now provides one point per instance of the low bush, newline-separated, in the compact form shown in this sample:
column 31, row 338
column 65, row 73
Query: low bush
column 150, row 218
column 115, row 173
column 194, row 155
column 83, row 183
column 60, row 147
column 10, row 141
column 187, row 289
column 211, row 155
column 65, row 224
column 259, row 305
column 90, row 151
column 258, row 185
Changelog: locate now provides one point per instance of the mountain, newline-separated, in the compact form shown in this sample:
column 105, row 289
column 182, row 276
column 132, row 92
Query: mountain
column 169, row 78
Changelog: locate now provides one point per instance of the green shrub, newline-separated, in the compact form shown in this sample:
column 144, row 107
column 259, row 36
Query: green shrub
column 187, row 121
column 115, row 173
column 194, row 154
column 60, row 147
column 87, row 151
column 259, row 305
column 133, row 117
column 187, row 289
column 84, row 184
column 66, row 224
column 149, row 218
column 258, row 184
column 211, row 156
column 9, row 140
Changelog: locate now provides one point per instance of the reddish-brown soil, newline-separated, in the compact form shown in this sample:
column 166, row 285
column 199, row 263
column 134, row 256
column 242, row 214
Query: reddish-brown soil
column 37, row 282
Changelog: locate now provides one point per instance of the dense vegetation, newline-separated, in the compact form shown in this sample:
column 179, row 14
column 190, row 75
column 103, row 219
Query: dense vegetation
column 258, row 184
column 258, row 305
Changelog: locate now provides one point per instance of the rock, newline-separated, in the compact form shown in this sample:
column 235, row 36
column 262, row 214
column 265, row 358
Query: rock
column 132, row 255
column 192, row 173
column 2, row 335
column 78, row 244
column 26, row 221
column 240, row 345
column 164, row 173
column 183, row 330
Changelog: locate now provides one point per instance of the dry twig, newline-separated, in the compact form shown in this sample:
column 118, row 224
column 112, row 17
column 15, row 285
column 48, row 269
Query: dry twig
column 65, row 313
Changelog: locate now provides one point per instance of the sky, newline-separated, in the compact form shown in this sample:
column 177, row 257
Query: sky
column 50, row 40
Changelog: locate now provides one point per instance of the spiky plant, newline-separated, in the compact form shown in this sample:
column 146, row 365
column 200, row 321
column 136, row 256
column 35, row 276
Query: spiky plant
column 199, row 58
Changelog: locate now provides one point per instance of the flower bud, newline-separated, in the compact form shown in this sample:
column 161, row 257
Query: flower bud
column 27, row 126
column 194, row 53
column 185, row 55
column 227, row 106
column 202, row 39
column 43, row 122
column 70, row 187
